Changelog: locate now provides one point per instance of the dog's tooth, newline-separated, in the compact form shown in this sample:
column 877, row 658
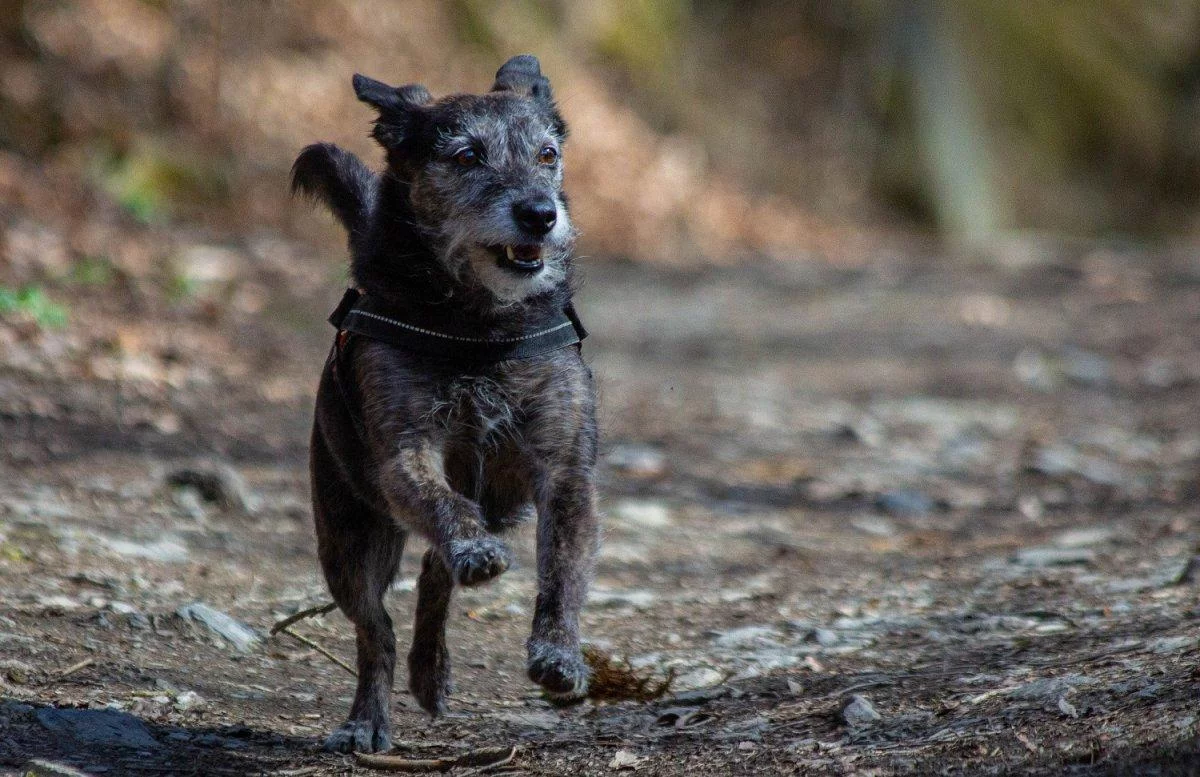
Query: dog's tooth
column 508, row 250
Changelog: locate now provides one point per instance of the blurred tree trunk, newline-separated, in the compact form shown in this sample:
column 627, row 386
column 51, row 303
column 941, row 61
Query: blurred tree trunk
column 954, row 142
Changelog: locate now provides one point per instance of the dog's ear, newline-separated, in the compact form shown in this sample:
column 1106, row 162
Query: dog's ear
column 387, row 99
column 396, row 106
column 522, row 75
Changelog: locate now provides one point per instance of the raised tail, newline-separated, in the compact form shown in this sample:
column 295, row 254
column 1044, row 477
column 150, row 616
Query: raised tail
column 339, row 179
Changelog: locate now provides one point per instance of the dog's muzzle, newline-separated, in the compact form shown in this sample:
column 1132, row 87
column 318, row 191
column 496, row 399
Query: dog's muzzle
column 525, row 259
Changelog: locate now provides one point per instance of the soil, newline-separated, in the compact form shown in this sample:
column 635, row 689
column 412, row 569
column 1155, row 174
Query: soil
column 965, row 494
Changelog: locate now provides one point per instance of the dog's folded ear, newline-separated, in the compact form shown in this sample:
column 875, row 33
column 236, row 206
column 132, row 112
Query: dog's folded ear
column 386, row 98
column 396, row 105
column 522, row 75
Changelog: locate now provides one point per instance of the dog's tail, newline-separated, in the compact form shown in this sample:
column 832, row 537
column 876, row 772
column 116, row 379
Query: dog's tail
column 339, row 179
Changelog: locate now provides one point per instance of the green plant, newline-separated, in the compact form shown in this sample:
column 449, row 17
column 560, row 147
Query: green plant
column 32, row 302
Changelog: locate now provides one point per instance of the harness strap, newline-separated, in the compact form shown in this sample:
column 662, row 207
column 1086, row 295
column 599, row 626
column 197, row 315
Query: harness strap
column 358, row 314
column 355, row 314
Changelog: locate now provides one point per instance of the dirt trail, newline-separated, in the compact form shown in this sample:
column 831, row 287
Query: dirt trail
column 962, row 496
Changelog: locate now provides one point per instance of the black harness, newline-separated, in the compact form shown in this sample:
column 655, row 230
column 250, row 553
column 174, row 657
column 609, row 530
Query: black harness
column 357, row 314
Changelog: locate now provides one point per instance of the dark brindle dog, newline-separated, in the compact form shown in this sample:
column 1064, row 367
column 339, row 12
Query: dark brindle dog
column 468, row 411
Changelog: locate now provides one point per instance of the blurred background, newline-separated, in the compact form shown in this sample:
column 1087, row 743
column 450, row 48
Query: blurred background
column 895, row 314
column 705, row 131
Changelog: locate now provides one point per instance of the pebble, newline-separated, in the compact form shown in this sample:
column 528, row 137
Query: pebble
column 905, row 502
column 747, row 636
column 860, row 712
column 218, row 483
column 1054, row 557
column 638, row 461
column 826, row 637
column 626, row 760
column 237, row 634
column 645, row 514
column 1050, row 687
column 1080, row 538
column 166, row 549
column 186, row 700
column 639, row 599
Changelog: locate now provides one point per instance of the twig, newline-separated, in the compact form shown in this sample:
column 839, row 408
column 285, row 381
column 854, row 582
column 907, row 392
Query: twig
column 311, row 612
column 512, row 753
column 73, row 668
column 319, row 648
column 394, row 763
column 485, row 759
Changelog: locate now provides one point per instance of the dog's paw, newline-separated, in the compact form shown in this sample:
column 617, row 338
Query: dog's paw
column 559, row 670
column 479, row 560
column 429, row 678
column 362, row 736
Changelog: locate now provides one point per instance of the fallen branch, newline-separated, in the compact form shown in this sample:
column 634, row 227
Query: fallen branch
column 483, row 760
column 317, row 647
column 73, row 668
column 311, row 612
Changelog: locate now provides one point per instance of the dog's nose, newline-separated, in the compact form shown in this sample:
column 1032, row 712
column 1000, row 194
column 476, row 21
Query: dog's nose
column 536, row 215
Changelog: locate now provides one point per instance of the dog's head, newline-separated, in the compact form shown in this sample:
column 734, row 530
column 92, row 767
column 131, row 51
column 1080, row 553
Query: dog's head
column 484, row 175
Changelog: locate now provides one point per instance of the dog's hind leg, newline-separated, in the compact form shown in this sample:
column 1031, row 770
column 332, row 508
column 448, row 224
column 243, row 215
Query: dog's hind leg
column 360, row 553
column 428, row 659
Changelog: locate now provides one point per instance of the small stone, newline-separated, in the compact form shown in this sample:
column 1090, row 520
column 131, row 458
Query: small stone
column 645, row 514
column 747, row 636
column 1085, row 367
column 1047, row 688
column 637, row 461
column 242, row 637
column 875, row 525
column 218, row 483
column 639, row 599
column 826, row 637
column 1031, row 507
column 626, row 760
column 189, row 500
column 1054, row 557
column 166, row 549
column 1036, row 371
column 187, row 700
column 860, row 712
column 905, row 502
column 1080, row 538
column 700, row 679
column 746, row 745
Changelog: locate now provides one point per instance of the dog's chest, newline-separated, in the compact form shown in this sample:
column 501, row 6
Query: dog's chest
column 478, row 408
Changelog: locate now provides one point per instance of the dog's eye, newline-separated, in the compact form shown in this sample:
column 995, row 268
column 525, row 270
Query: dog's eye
column 548, row 155
column 467, row 157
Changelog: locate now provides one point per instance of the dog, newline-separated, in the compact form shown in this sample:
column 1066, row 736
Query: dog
column 466, row 236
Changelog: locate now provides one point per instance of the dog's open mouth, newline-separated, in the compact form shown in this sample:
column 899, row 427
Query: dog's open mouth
column 519, row 258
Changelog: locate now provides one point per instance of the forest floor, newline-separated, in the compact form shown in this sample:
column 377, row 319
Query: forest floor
column 963, row 494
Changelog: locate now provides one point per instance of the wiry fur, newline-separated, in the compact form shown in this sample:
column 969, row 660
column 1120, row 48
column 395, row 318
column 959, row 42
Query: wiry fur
column 454, row 454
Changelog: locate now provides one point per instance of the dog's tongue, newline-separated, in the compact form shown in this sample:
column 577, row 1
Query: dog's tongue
column 527, row 253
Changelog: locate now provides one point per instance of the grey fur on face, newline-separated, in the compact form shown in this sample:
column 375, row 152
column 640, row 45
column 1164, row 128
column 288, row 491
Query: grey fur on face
column 467, row 212
column 467, row 230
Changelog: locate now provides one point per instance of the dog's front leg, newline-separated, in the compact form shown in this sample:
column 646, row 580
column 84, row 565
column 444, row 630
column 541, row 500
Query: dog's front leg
column 566, row 550
column 414, row 483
